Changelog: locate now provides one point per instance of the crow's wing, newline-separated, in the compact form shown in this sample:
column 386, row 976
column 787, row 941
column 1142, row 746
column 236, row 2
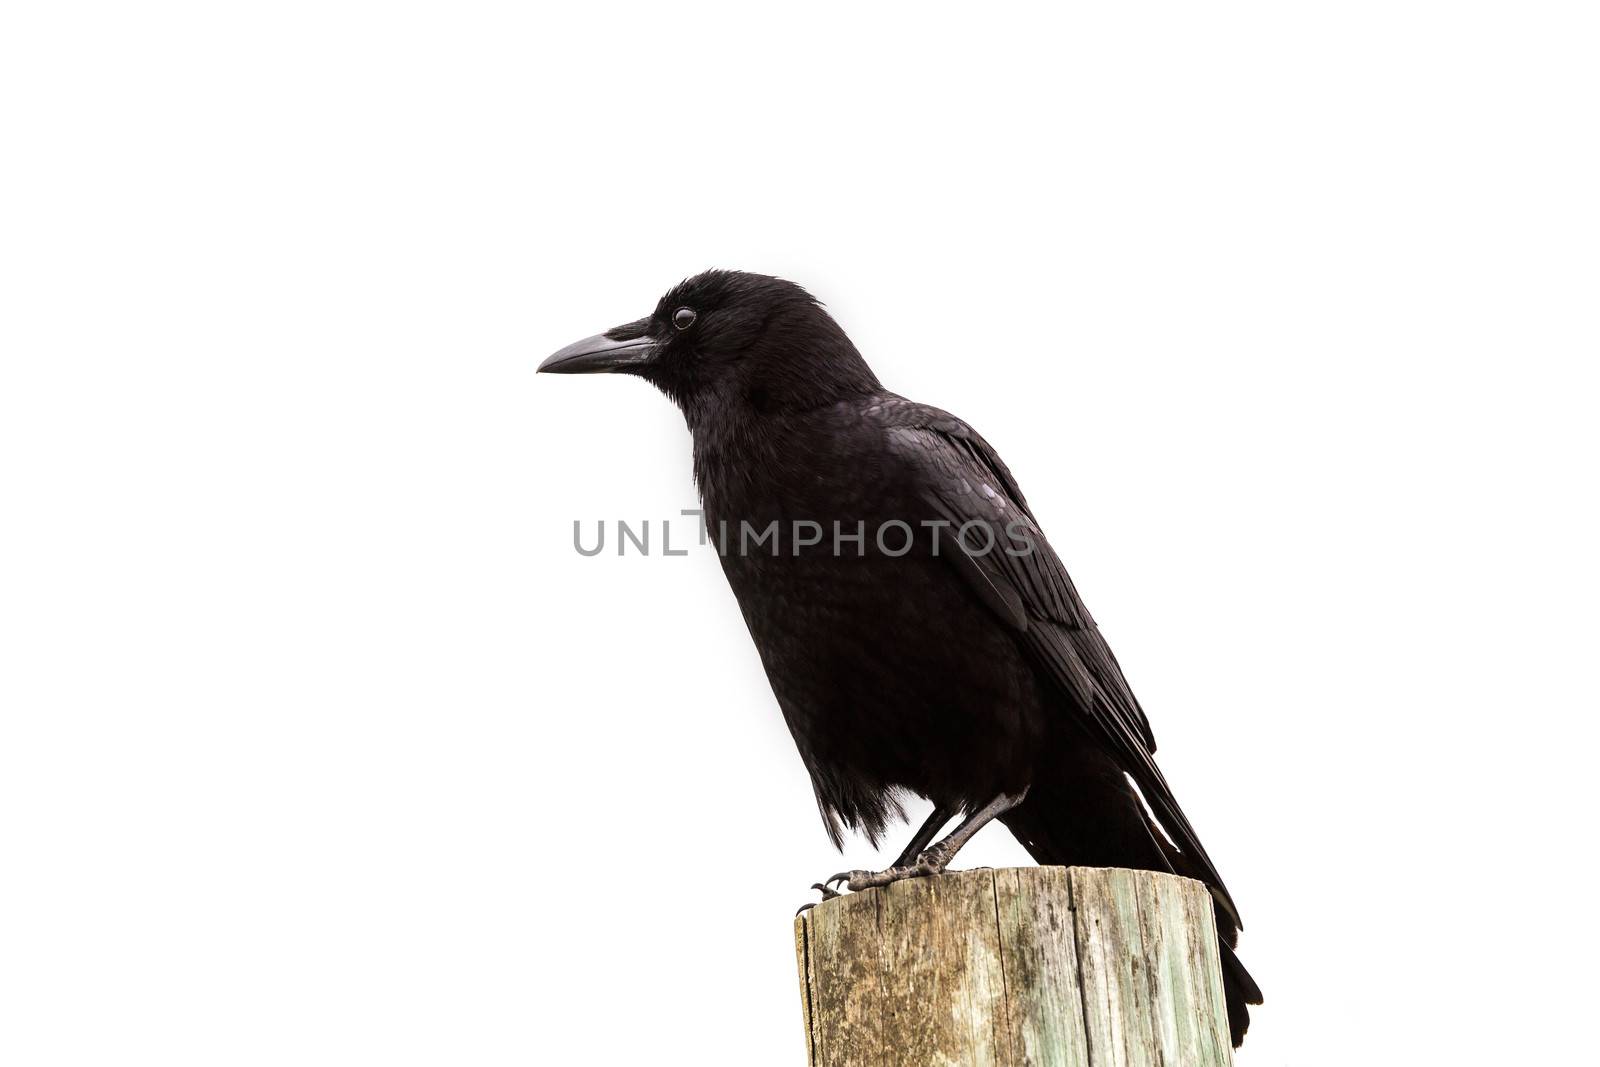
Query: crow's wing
column 962, row 479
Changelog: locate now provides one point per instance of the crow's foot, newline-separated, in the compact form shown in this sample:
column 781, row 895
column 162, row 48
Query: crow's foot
column 929, row 863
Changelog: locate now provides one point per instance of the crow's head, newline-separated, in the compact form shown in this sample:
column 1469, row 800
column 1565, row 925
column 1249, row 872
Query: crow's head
column 730, row 342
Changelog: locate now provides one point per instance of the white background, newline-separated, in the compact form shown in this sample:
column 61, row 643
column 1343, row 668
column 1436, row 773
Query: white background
column 321, row 745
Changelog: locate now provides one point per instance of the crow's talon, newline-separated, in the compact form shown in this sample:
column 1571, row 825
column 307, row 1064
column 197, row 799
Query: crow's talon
column 828, row 893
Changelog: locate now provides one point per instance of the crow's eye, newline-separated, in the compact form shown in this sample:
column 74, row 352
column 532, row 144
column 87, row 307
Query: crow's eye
column 683, row 318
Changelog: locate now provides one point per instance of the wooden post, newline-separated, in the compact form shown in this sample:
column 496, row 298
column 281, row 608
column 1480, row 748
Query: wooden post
column 1021, row 967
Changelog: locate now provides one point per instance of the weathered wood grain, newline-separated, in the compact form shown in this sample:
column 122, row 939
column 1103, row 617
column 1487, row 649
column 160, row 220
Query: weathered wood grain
column 1111, row 957
column 1038, row 946
column 1024, row 967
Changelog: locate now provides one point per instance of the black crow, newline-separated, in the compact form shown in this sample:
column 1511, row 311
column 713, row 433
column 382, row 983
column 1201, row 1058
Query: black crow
column 919, row 632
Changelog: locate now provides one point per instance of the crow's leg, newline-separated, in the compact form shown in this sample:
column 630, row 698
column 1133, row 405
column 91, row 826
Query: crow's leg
column 937, row 858
column 920, row 839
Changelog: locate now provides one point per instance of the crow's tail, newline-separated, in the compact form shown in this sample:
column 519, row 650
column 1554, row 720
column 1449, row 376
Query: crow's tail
column 1085, row 813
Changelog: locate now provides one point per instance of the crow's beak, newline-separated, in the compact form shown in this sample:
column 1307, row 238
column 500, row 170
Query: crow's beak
column 602, row 355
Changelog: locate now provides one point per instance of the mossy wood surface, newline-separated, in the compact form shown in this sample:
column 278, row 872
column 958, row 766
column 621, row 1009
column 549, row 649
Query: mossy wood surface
column 1022, row 967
